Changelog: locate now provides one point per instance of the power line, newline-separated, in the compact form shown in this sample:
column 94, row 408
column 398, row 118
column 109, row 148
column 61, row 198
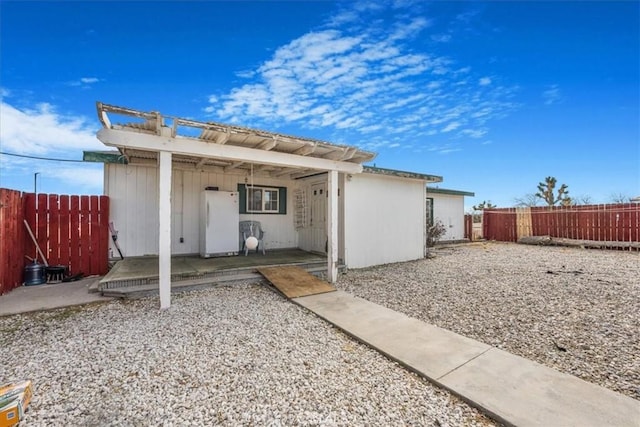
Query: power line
column 41, row 158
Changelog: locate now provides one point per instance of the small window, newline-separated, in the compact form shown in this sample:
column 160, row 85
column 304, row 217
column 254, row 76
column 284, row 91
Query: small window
column 262, row 199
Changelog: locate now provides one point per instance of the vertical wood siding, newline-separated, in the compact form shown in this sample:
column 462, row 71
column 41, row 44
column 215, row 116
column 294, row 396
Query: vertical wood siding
column 134, row 208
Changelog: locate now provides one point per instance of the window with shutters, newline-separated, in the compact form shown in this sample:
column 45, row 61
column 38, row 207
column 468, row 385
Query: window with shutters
column 262, row 199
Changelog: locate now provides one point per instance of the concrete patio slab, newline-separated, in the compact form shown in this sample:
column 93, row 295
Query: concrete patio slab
column 46, row 297
column 513, row 390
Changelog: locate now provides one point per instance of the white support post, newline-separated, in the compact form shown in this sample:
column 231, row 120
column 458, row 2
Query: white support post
column 332, row 226
column 425, row 226
column 164, row 244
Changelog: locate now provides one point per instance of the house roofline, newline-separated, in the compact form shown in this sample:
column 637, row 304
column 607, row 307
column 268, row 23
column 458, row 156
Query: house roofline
column 104, row 156
column 111, row 156
column 449, row 192
column 401, row 174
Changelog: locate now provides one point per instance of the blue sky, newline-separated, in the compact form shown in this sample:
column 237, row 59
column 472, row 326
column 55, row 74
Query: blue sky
column 493, row 96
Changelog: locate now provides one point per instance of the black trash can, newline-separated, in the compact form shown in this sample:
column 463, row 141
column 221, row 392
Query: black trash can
column 34, row 274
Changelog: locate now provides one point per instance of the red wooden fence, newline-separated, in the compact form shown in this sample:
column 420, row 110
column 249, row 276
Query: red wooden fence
column 612, row 222
column 12, row 237
column 71, row 230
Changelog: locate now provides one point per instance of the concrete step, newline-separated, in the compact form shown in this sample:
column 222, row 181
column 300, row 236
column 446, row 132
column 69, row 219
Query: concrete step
column 216, row 275
column 141, row 291
column 94, row 287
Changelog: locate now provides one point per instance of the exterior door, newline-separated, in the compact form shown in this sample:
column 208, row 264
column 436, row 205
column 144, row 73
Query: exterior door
column 318, row 217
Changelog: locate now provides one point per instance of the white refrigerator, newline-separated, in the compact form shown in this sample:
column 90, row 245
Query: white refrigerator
column 219, row 223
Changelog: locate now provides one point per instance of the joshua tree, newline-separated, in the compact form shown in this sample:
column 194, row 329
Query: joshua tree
column 546, row 192
column 486, row 204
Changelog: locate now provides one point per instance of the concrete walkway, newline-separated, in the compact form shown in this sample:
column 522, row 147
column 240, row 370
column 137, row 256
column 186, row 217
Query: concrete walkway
column 511, row 389
column 46, row 297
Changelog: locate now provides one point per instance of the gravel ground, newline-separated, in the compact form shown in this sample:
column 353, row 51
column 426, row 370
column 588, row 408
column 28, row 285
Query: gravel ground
column 575, row 310
column 239, row 355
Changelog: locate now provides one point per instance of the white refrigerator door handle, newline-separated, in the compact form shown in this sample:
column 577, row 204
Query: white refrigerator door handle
column 207, row 214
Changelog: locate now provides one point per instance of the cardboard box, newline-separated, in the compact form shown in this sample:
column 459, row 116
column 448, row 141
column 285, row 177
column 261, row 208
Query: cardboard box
column 14, row 399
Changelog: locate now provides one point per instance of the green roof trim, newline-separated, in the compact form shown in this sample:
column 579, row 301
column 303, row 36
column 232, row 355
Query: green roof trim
column 432, row 190
column 401, row 174
column 104, row 157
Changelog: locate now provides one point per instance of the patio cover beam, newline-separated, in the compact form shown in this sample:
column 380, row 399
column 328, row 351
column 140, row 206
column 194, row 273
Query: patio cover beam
column 194, row 147
column 332, row 226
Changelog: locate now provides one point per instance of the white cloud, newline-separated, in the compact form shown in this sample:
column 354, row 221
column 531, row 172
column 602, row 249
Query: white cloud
column 444, row 148
column 42, row 130
column 92, row 176
column 405, row 30
column 441, row 38
column 467, row 16
column 4, row 93
column 451, row 126
column 369, row 129
column 84, row 82
column 474, row 133
column 246, row 74
column 358, row 81
column 342, row 18
column 552, row 95
column 449, row 150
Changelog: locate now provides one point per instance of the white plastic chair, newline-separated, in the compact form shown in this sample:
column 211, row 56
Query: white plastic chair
column 246, row 231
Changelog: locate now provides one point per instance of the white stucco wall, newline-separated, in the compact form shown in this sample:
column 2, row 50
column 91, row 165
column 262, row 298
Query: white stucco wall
column 384, row 220
column 450, row 210
column 133, row 193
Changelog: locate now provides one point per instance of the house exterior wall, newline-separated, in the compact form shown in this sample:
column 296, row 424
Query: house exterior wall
column 384, row 220
column 450, row 210
column 133, row 192
column 381, row 218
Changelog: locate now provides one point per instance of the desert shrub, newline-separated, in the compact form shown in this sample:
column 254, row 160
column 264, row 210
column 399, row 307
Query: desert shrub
column 435, row 232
